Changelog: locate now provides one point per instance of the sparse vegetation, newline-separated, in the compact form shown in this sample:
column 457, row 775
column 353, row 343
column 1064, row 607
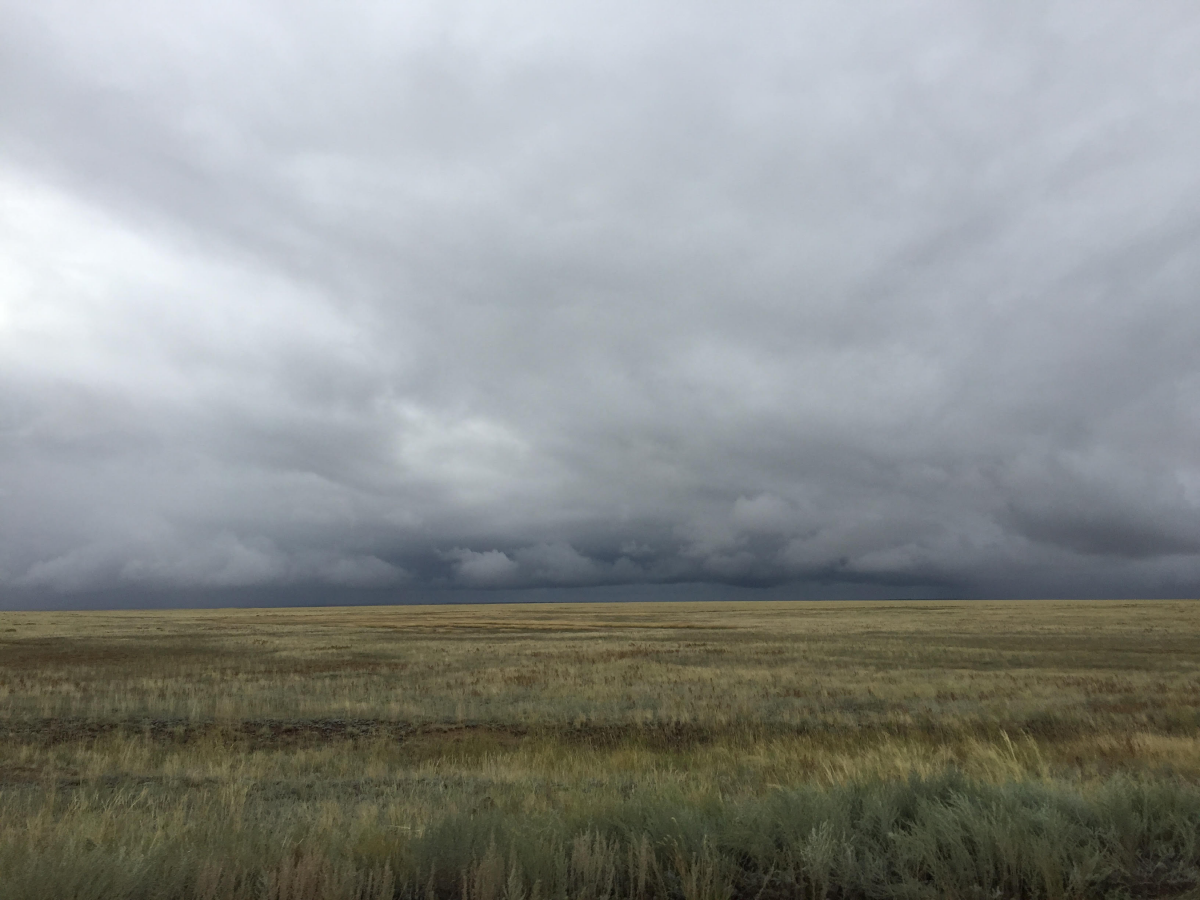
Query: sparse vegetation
column 685, row 751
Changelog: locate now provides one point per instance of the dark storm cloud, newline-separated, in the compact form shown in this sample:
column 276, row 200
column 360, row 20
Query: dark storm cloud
column 876, row 298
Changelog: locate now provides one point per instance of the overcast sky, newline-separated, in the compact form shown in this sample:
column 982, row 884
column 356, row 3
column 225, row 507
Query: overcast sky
column 394, row 300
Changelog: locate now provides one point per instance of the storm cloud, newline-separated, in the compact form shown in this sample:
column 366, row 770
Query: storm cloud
column 840, row 299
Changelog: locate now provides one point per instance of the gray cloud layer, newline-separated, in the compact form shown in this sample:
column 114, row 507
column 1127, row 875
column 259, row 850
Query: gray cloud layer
column 317, row 297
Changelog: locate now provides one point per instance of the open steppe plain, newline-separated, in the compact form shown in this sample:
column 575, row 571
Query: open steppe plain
column 693, row 751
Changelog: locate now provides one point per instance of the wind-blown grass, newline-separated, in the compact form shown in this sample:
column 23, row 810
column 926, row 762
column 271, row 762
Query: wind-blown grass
column 692, row 752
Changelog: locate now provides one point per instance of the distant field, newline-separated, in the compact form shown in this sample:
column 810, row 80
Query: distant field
column 691, row 751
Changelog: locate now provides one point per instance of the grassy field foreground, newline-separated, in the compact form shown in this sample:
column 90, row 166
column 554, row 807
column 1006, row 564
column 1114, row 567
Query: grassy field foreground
column 690, row 751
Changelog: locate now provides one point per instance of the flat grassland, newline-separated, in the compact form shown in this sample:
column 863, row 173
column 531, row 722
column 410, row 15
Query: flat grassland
column 693, row 751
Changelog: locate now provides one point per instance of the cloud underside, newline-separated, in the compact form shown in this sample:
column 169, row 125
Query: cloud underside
column 445, row 297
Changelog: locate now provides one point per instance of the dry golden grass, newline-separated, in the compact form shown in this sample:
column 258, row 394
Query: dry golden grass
column 370, row 745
